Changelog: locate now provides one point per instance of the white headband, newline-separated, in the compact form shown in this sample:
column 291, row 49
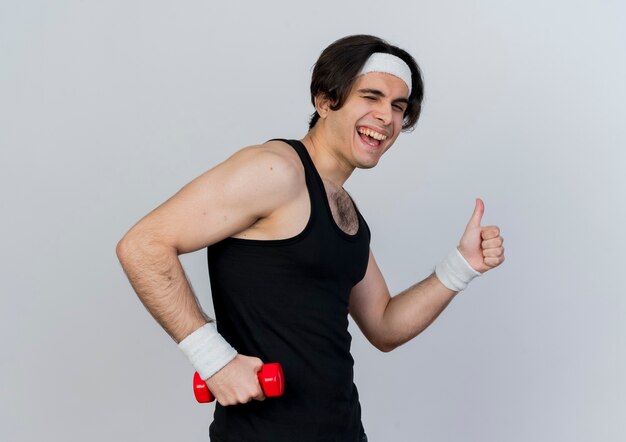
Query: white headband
column 389, row 64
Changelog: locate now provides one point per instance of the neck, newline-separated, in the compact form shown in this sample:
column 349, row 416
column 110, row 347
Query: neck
column 325, row 155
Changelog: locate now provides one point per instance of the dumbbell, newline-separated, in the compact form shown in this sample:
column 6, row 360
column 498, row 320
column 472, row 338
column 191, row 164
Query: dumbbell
column 270, row 377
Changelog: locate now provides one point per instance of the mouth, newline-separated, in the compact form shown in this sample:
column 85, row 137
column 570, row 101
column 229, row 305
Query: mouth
column 370, row 136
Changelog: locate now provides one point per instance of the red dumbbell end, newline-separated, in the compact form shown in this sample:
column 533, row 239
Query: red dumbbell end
column 200, row 390
column 272, row 379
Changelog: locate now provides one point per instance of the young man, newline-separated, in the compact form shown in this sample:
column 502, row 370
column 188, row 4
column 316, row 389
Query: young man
column 289, row 257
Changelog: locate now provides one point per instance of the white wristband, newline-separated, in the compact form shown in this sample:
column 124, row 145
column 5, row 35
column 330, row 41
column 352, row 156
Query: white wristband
column 455, row 272
column 207, row 350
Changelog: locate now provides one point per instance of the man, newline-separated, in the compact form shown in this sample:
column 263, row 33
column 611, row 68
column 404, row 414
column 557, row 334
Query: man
column 289, row 257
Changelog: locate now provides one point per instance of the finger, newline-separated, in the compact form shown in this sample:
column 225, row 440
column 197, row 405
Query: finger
column 258, row 394
column 493, row 262
column 252, row 394
column 492, row 243
column 257, row 364
column 225, row 401
column 259, row 397
column 490, row 232
column 477, row 216
column 493, row 253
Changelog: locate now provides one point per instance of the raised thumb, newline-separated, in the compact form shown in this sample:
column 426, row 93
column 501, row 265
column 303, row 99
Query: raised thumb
column 477, row 216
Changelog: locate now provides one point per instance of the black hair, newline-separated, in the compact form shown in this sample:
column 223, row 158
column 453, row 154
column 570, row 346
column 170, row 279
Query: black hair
column 337, row 67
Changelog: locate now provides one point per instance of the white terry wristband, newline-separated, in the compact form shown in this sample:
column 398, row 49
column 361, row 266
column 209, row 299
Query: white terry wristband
column 455, row 272
column 207, row 350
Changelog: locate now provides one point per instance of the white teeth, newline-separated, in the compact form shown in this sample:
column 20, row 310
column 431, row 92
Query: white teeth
column 371, row 133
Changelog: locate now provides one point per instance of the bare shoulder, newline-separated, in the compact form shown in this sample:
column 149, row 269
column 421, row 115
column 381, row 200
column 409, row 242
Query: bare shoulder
column 272, row 156
column 264, row 176
column 273, row 167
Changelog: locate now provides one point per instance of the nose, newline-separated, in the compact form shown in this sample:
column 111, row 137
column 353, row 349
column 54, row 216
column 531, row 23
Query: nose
column 383, row 113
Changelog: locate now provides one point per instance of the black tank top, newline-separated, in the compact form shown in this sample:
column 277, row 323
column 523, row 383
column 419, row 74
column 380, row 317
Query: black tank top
column 287, row 301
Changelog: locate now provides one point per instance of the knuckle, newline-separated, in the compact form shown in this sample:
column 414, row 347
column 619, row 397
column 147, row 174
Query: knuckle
column 243, row 398
column 257, row 363
column 490, row 253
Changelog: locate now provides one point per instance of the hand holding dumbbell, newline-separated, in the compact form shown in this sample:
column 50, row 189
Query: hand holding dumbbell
column 270, row 377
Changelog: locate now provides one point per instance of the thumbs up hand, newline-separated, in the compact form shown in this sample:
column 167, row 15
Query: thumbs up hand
column 481, row 246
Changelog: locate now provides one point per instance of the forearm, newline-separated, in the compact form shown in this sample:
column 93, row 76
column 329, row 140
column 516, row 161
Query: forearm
column 413, row 310
column 157, row 276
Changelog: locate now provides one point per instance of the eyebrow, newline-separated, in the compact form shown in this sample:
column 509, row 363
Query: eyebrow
column 381, row 94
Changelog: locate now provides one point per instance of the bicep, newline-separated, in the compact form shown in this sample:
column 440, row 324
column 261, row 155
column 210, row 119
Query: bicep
column 221, row 202
column 369, row 299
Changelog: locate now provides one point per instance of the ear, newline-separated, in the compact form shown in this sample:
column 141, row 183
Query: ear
column 322, row 105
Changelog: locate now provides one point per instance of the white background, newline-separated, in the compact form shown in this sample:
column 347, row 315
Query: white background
column 108, row 108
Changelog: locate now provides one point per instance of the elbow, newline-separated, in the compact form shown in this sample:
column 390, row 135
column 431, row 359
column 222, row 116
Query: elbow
column 129, row 246
column 137, row 245
column 124, row 248
column 386, row 346
column 383, row 338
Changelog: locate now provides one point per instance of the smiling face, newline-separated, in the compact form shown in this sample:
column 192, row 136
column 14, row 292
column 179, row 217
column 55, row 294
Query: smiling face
column 369, row 122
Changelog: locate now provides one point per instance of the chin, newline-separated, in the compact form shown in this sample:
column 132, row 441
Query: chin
column 368, row 164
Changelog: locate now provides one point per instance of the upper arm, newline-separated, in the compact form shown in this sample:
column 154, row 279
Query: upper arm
column 223, row 201
column 368, row 301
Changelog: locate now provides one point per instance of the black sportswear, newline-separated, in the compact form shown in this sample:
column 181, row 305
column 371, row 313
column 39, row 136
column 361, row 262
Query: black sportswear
column 287, row 301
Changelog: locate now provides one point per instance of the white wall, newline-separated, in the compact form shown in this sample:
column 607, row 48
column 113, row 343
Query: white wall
column 108, row 108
